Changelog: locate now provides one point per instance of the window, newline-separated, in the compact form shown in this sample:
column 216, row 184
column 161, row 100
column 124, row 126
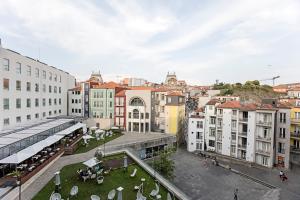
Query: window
column 59, row 90
column 37, row 87
column 44, row 102
column 18, row 119
column 282, row 117
column 110, row 95
column 234, row 112
column 36, row 102
column 28, row 103
column 55, row 102
column 212, row 120
column 198, row 135
column 110, row 115
column 55, row 89
column 5, row 84
column 44, row 74
column 199, row 124
column 50, row 113
column 6, row 104
column 37, row 72
column 18, row 85
column 18, row 68
column 147, row 115
column 129, row 115
column 50, row 102
column 282, row 132
column 59, row 78
column 5, row 64
column 36, row 115
column 44, row 87
column 50, row 76
column 44, row 114
column 281, row 148
column 18, row 103
column 135, row 114
column 136, row 102
column 50, row 89
column 110, row 104
column 169, row 99
column 28, row 117
column 6, row 121
column 212, row 132
column 28, row 86
column 28, row 70
column 162, row 97
column 211, row 143
column 55, row 78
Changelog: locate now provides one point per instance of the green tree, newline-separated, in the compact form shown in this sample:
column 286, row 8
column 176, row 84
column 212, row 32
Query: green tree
column 164, row 164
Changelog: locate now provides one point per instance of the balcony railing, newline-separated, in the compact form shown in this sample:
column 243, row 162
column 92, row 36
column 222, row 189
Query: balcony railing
column 264, row 123
column 295, row 135
column 233, row 116
column 295, row 120
column 242, row 119
column 243, row 134
column 260, row 151
column 233, row 142
column 263, row 138
column 233, row 129
column 242, row 146
column 295, row 149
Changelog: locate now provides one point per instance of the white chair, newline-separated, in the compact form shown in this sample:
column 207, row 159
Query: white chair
column 155, row 191
column 55, row 196
column 95, row 197
column 111, row 195
column 133, row 173
column 74, row 191
column 139, row 196
column 100, row 179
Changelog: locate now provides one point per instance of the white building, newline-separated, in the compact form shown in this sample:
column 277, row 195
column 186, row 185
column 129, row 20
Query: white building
column 139, row 110
column 76, row 102
column 195, row 139
column 30, row 90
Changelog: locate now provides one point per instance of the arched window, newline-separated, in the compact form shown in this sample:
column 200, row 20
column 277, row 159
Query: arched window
column 136, row 102
column 135, row 114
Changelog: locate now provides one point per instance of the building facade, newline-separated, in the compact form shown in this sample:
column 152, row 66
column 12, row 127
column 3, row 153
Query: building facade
column 30, row 90
column 120, row 109
column 195, row 139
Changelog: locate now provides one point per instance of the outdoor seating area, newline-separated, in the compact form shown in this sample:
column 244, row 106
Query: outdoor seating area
column 96, row 137
column 88, row 180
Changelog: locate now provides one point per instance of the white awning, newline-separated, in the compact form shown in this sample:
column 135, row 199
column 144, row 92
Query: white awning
column 71, row 129
column 91, row 162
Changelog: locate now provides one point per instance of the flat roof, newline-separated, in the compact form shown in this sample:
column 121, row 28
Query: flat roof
column 16, row 136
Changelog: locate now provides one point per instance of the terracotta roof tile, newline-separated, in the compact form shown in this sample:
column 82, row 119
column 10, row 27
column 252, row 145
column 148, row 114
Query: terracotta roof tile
column 230, row 104
column 213, row 102
column 109, row 85
column 175, row 93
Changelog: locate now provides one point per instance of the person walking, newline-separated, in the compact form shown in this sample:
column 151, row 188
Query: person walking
column 235, row 194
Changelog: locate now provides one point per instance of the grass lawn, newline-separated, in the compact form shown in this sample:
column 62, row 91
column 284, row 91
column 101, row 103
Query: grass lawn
column 94, row 143
column 115, row 179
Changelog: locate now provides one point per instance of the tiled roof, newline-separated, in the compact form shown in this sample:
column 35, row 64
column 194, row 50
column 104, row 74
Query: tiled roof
column 121, row 93
column 141, row 88
column 161, row 89
column 213, row 102
column 175, row 94
column 109, row 85
column 231, row 104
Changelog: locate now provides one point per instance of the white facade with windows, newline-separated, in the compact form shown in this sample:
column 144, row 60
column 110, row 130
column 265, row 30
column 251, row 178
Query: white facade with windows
column 76, row 102
column 195, row 139
column 30, row 90
column 210, row 125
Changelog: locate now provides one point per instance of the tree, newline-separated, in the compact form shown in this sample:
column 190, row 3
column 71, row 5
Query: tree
column 164, row 165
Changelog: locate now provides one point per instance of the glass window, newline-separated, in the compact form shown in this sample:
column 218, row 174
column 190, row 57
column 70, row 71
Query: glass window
column 37, row 72
column 37, row 87
column 59, row 90
column 55, row 78
column 28, row 117
column 18, row 119
column 18, row 68
column 5, row 64
column 44, row 102
column 28, row 86
column 44, row 87
column 28, row 103
column 6, row 121
column 28, row 70
column 36, row 102
column 50, row 102
column 36, row 115
column 50, row 89
column 50, row 76
column 5, row 84
column 6, row 104
column 44, row 74
column 18, row 85
column 135, row 113
column 18, row 103
column 136, row 102
column 55, row 89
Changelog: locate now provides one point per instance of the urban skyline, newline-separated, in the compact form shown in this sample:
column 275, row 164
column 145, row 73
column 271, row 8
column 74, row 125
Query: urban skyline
column 251, row 40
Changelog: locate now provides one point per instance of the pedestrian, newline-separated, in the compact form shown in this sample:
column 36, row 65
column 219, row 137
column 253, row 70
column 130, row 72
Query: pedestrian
column 235, row 194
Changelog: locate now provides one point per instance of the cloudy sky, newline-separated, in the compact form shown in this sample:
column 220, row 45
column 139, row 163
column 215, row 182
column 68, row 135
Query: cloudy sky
column 200, row 40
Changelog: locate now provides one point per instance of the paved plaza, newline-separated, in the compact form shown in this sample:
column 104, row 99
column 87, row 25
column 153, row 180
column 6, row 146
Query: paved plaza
column 199, row 179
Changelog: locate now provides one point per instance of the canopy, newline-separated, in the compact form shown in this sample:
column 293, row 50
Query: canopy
column 71, row 129
column 91, row 162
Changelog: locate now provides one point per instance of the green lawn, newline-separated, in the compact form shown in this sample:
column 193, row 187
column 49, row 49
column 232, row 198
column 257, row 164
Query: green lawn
column 94, row 143
column 115, row 179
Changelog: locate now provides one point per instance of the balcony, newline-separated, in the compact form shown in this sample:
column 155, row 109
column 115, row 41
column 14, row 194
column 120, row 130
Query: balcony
column 264, row 123
column 219, row 126
column 233, row 142
column 219, row 139
column 295, row 135
column 263, row 152
column 266, row 139
column 243, row 120
column 295, row 149
column 243, row 134
column 242, row 146
column 295, row 120
column 233, row 129
column 233, row 116
column 156, row 101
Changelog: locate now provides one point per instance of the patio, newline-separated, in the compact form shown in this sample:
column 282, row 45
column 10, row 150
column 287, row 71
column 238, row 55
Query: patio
column 117, row 177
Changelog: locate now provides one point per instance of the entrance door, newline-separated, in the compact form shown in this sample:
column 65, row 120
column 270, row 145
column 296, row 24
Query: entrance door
column 135, row 126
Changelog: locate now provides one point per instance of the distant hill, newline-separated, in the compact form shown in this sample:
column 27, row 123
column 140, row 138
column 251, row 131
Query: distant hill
column 249, row 91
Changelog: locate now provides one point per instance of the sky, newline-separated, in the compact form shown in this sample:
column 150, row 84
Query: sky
column 201, row 40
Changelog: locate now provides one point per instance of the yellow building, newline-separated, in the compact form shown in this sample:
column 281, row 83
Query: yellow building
column 175, row 113
column 295, row 135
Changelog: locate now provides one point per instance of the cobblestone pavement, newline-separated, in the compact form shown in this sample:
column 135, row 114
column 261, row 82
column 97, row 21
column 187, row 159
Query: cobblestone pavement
column 42, row 180
column 201, row 180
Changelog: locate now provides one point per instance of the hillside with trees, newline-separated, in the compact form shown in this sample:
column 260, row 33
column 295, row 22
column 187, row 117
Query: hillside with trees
column 249, row 91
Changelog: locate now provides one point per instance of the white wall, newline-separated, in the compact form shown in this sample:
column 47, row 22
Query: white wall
column 226, row 132
column 192, row 134
column 67, row 82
